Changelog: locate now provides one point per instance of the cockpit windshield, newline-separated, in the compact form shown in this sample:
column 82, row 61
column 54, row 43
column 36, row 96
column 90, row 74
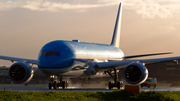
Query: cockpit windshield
column 51, row 53
column 56, row 53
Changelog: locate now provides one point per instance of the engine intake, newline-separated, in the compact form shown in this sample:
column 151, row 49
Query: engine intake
column 135, row 73
column 20, row 72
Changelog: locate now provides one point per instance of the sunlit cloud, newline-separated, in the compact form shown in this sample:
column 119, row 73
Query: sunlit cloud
column 152, row 8
column 45, row 5
column 146, row 8
column 9, row 5
column 54, row 6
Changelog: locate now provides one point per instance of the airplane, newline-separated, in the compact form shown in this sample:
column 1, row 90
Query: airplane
column 58, row 59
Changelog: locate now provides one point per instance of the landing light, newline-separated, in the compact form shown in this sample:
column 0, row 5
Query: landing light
column 52, row 76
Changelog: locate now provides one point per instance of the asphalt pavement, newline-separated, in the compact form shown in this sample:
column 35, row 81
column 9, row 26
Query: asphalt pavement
column 79, row 89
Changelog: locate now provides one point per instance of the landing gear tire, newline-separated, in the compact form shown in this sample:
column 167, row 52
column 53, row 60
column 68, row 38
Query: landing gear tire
column 55, row 85
column 116, row 82
column 50, row 85
column 63, row 84
column 110, row 85
column 118, row 85
column 56, row 82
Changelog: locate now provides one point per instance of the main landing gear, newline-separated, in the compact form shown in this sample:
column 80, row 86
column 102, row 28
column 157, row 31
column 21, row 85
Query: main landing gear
column 116, row 82
column 57, row 83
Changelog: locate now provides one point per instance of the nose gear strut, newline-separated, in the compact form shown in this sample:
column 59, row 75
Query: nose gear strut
column 56, row 82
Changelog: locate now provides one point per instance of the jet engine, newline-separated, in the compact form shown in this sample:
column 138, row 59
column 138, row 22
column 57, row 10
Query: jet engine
column 135, row 73
column 20, row 72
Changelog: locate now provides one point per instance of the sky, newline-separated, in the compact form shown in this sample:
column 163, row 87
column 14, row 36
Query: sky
column 148, row 26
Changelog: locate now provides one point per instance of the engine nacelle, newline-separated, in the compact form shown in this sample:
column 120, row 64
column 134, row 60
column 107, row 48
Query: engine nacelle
column 20, row 72
column 135, row 73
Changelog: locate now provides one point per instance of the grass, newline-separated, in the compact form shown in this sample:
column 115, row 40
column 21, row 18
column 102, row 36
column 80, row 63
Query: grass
column 173, row 95
column 118, row 95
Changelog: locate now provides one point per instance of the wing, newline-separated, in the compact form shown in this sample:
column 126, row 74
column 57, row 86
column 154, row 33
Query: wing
column 135, row 56
column 122, row 64
column 4, row 68
column 19, row 59
column 135, row 71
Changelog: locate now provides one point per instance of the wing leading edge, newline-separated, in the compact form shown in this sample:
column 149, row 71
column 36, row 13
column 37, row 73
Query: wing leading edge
column 135, row 56
column 121, row 64
column 19, row 59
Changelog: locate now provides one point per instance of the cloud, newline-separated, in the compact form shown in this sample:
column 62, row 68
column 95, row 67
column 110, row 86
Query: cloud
column 146, row 8
column 54, row 6
column 45, row 5
column 8, row 5
column 152, row 8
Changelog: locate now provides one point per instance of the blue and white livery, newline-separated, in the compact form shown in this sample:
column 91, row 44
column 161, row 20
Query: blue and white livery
column 58, row 59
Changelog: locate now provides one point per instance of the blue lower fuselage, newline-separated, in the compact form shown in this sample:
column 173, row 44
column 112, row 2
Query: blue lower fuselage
column 69, row 58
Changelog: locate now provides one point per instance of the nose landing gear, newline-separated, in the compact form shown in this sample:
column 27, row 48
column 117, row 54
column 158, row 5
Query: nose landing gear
column 57, row 83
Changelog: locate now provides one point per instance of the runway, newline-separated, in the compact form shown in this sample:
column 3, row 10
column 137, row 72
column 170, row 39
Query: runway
column 44, row 88
column 79, row 89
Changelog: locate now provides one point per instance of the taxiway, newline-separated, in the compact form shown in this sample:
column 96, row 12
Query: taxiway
column 79, row 89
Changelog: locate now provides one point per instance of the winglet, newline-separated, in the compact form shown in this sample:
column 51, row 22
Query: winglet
column 117, row 29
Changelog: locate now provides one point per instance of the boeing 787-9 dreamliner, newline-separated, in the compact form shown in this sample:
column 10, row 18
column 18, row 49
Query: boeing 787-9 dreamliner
column 58, row 59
